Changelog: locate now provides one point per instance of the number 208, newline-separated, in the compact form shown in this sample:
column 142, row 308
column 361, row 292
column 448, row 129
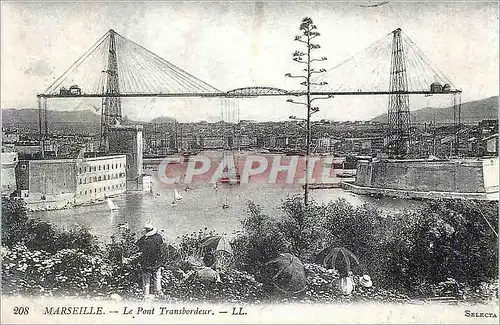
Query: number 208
column 21, row 310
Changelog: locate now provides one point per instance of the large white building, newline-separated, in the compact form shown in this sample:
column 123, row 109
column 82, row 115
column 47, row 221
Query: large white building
column 57, row 183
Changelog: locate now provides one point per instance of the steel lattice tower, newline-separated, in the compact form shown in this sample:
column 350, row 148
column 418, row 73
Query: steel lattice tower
column 399, row 101
column 112, row 110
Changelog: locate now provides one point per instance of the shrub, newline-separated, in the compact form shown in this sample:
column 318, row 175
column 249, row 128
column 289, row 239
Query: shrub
column 302, row 227
column 14, row 221
column 446, row 239
column 122, row 256
column 68, row 272
column 190, row 243
column 234, row 286
column 259, row 241
column 455, row 241
column 355, row 228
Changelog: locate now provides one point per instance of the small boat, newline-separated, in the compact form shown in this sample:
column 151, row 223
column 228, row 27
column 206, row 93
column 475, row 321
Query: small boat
column 123, row 225
column 177, row 196
column 187, row 189
column 112, row 206
column 225, row 205
column 216, row 187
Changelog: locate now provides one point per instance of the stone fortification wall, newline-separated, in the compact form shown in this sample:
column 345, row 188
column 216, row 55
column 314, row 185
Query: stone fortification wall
column 52, row 177
column 464, row 176
column 9, row 163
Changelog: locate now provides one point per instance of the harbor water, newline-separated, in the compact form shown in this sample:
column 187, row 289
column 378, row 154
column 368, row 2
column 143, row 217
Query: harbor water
column 201, row 207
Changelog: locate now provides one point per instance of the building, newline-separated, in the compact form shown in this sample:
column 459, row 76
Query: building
column 9, row 136
column 241, row 141
column 364, row 145
column 214, row 142
column 97, row 178
column 58, row 183
column 491, row 145
column 127, row 140
column 9, row 163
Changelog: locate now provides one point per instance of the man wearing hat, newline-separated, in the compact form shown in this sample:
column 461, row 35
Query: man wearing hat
column 152, row 258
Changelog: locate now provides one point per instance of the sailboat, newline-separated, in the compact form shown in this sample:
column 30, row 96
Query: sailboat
column 225, row 205
column 177, row 195
column 112, row 206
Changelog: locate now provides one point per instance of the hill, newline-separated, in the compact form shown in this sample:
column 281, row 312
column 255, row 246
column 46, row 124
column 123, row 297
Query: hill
column 471, row 112
column 162, row 119
column 30, row 115
column 74, row 122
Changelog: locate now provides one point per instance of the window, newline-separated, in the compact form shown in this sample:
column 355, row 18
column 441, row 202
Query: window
column 80, row 171
column 95, row 190
column 80, row 181
column 99, row 178
column 99, row 167
column 107, row 166
column 23, row 167
column 85, row 192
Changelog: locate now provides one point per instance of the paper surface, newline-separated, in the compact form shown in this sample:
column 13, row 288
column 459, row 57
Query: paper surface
column 209, row 124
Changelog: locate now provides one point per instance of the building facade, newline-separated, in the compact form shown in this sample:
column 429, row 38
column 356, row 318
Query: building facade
column 9, row 163
column 98, row 178
column 127, row 140
column 58, row 183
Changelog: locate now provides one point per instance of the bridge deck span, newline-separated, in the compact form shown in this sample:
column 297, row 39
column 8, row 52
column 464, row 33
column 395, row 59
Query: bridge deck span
column 232, row 95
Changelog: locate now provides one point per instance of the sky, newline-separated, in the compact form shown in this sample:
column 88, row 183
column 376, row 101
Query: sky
column 240, row 44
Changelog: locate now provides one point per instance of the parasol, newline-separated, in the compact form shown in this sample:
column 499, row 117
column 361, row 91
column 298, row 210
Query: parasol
column 341, row 259
column 216, row 243
column 290, row 275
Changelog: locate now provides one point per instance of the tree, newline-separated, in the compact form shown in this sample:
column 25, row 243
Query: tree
column 308, row 30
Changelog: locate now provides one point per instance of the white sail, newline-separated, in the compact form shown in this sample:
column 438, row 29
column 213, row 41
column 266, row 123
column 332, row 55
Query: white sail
column 112, row 205
column 177, row 195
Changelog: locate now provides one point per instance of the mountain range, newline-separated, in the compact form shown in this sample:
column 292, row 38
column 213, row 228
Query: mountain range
column 470, row 112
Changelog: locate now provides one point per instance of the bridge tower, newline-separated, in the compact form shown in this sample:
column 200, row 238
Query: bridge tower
column 111, row 105
column 398, row 133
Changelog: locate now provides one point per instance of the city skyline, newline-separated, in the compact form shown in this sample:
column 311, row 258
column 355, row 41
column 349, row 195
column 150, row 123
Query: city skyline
column 37, row 48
